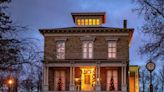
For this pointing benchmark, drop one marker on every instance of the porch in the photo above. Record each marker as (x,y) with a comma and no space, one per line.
(85,78)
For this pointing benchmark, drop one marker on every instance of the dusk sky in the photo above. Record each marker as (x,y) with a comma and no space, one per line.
(38,14)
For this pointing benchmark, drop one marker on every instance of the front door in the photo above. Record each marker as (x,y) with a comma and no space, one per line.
(87,79)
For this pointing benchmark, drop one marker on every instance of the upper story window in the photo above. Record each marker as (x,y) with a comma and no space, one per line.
(87,49)
(60,49)
(88,22)
(112,49)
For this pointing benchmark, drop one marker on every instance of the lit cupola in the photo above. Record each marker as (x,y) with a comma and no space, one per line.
(89,19)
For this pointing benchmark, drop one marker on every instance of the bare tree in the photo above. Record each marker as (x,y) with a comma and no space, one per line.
(17,55)
(153,11)
(144,79)
(161,79)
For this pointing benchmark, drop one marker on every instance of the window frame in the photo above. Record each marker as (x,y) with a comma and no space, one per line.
(112,49)
(87,50)
(58,53)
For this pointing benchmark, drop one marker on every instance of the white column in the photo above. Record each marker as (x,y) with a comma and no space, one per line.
(122,75)
(98,86)
(125,82)
(124,85)
(45,78)
(72,75)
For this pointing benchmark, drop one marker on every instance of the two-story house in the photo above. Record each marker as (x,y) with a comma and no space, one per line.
(87,57)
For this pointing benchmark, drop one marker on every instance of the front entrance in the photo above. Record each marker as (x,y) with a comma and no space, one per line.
(88,78)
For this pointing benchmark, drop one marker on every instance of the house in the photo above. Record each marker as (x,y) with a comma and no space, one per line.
(87,57)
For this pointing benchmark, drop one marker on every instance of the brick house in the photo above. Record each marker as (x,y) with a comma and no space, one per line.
(87,57)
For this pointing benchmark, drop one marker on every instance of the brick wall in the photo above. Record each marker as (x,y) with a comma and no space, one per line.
(74,48)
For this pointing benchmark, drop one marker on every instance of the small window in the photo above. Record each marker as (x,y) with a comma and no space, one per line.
(97,21)
(60,47)
(94,21)
(112,49)
(90,21)
(82,21)
(78,22)
(86,21)
(87,49)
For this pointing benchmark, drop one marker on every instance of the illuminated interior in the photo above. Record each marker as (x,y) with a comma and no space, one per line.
(134,78)
(88,22)
(87,78)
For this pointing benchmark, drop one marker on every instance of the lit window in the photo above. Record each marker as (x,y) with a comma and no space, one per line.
(86,21)
(112,49)
(94,21)
(87,49)
(90,21)
(82,21)
(112,76)
(97,22)
(59,80)
(60,47)
(78,21)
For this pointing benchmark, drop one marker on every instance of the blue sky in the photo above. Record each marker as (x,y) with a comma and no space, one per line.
(37,14)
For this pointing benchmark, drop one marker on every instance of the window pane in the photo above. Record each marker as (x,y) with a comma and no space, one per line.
(84,49)
(90,49)
(84,44)
(84,55)
(82,21)
(97,22)
(109,50)
(86,21)
(109,55)
(113,44)
(113,49)
(78,22)
(94,22)
(90,44)
(90,55)
(90,21)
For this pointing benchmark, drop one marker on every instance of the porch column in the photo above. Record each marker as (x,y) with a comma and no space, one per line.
(124,84)
(45,78)
(98,87)
(72,83)
(122,75)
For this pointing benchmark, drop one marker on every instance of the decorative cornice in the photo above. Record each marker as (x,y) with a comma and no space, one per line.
(86,30)
(61,39)
(112,38)
(87,38)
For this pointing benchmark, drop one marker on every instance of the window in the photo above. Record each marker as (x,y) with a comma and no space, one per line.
(112,80)
(59,79)
(86,21)
(94,22)
(87,49)
(78,22)
(112,49)
(97,21)
(90,21)
(82,21)
(60,47)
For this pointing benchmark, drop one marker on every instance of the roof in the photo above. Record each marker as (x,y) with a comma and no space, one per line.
(102,14)
(86,30)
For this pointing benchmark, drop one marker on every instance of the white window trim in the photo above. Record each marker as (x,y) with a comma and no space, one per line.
(88,50)
(112,52)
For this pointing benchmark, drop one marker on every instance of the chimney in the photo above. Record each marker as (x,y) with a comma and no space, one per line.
(125,24)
